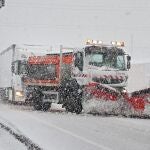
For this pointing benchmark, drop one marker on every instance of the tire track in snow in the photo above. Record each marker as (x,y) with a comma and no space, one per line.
(72,134)
(84,139)
(21,138)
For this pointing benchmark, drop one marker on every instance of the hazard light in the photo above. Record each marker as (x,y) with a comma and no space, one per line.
(118,43)
(93,42)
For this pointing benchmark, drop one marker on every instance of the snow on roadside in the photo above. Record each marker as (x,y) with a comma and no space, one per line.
(17,135)
(8,142)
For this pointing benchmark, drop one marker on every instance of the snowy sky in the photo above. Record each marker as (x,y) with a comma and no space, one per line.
(71,22)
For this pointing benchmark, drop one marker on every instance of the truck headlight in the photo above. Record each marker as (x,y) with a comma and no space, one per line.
(19,93)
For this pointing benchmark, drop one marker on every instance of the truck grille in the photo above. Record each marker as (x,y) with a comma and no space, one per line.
(108,80)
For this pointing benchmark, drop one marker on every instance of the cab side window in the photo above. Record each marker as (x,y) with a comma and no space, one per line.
(79,61)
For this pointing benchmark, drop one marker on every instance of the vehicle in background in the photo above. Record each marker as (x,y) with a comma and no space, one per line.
(13,61)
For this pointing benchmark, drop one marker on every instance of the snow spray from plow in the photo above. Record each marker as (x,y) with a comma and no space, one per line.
(99,98)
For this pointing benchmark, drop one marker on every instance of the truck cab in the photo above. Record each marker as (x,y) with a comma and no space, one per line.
(105,64)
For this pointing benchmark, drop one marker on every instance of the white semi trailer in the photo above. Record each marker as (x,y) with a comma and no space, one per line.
(13,67)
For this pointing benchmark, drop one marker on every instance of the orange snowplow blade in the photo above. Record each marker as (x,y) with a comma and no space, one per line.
(109,98)
(100,99)
(140,100)
(100,91)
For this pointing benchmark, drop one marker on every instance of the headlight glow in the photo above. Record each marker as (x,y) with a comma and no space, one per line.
(94,42)
(19,93)
(118,43)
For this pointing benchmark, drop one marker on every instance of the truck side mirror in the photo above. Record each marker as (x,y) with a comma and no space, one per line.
(129,58)
(128,65)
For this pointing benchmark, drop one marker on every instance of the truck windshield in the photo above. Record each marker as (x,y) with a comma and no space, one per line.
(42,71)
(111,60)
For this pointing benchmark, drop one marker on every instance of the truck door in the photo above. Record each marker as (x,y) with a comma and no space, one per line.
(79,61)
(78,70)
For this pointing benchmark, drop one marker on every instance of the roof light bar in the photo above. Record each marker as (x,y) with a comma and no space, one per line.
(98,42)
(94,42)
(118,43)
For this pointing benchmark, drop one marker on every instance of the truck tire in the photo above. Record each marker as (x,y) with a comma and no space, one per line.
(78,109)
(46,106)
(69,108)
(37,99)
(72,98)
(37,105)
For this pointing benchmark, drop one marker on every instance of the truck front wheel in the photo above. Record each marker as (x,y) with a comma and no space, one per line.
(37,105)
(72,96)
(78,109)
(69,108)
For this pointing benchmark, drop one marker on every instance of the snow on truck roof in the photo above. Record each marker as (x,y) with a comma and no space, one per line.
(35,49)
(25,50)
(42,49)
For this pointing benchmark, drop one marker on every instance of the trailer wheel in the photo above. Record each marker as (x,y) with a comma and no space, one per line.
(37,104)
(46,106)
(37,99)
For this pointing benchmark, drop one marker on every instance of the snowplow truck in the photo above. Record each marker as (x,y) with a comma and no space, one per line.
(92,78)
(13,62)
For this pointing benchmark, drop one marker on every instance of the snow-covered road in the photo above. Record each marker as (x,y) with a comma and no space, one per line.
(65,131)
